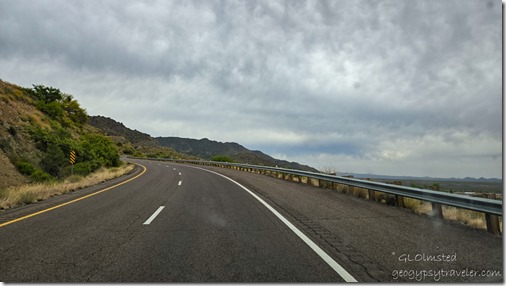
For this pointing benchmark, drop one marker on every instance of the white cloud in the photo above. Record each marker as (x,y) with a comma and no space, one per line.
(392,86)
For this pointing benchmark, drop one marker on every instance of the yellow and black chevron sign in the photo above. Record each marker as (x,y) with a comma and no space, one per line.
(72,157)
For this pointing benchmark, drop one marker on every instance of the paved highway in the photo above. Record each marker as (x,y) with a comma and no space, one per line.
(178,223)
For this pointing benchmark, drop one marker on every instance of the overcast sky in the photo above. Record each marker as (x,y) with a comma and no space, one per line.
(386,87)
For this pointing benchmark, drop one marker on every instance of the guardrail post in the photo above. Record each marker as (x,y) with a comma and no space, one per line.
(372,194)
(493,223)
(399,201)
(437,210)
(314,182)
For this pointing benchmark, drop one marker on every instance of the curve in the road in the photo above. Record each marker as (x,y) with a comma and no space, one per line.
(331,262)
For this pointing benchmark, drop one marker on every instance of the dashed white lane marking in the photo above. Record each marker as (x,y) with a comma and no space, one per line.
(331,262)
(179,174)
(180,182)
(174,169)
(153,216)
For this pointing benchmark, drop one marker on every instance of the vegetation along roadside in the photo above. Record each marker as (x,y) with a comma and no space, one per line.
(39,128)
(30,193)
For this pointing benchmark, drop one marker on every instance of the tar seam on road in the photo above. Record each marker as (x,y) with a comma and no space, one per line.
(73,201)
(154,215)
(331,262)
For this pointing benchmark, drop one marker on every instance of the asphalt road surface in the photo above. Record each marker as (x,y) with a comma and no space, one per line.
(178,223)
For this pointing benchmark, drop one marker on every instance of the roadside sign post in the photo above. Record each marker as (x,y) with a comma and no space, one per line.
(72,161)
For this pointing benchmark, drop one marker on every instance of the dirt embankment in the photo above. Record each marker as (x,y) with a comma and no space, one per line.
(16,113)
(9,175)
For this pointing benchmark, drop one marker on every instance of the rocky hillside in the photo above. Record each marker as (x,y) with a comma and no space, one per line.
(15,115)
(116,129)
(39,127)
(133,142)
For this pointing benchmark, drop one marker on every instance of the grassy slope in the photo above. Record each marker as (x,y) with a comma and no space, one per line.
(30,193)
(17,112)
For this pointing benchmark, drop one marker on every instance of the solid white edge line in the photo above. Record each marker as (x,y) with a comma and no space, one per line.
(153,216)
(331,262)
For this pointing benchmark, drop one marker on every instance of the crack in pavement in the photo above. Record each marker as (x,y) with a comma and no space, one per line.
(332,243)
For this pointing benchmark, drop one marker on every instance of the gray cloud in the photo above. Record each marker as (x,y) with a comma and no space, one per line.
(391,86)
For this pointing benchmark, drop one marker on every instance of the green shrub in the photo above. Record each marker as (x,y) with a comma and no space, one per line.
(54,161)
(221,158)
(41,176)
(52,109)
(137,153)
(25,168)
(37,175)
(99,151)
(82,168)
(74,111)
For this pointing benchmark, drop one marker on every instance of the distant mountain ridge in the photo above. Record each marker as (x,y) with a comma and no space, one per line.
(426,178)
(113,128)
(202,148)
(207,149)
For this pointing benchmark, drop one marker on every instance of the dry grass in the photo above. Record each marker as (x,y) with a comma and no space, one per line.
(467,217)
(470,218)
(360,192)
(27,194)
(417,206)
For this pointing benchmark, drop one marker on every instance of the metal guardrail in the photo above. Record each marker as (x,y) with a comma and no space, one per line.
(492,208)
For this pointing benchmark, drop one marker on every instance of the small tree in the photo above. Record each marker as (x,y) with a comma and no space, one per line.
(75,112)
(46,94)
(99,151)
(54,161)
